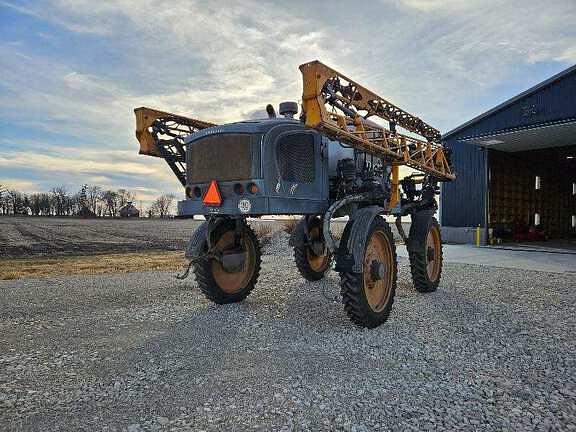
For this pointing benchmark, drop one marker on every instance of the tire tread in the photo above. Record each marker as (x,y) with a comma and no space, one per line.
(209,287)
(419,260)
(352,286)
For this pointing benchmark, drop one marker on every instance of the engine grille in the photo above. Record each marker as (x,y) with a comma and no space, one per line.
(220,157)
(295,155)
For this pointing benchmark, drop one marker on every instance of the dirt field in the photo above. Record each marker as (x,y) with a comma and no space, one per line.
(22,237)
(27,236)
(41,247)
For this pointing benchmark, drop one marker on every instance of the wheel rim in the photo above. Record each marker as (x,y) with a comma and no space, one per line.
(378,291)
(318,263)
(232,282)
(433,253)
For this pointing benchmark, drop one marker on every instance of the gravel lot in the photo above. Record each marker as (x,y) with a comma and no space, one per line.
(492,349)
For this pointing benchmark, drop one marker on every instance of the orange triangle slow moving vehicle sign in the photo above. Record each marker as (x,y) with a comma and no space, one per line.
(212,197)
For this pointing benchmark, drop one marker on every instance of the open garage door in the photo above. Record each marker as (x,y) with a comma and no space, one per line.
(532,186)
(532,196)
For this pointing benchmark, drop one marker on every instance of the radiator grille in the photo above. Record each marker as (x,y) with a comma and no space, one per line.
(220,157)
(295,155)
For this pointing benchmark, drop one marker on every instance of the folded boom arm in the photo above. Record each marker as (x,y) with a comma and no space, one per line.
(341,109)
(161,134)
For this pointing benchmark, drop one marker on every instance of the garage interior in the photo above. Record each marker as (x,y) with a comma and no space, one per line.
(531,198)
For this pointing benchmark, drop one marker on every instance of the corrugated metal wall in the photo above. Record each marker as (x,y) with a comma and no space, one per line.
(463,199)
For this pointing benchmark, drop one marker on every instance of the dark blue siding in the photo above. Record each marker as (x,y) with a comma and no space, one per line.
(555,102)
(463,199)
(552,101)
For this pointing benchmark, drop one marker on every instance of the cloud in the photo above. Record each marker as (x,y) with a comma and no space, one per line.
(89,162)
(44,14)
(219,63)
(21,185)
(569,55)
(434,5)
(93,62)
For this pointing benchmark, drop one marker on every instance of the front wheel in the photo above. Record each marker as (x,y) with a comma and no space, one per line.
(229,283)
(425,251)
(368,296)
(312,258)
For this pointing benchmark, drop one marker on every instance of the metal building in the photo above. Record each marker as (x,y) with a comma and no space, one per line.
(516,168)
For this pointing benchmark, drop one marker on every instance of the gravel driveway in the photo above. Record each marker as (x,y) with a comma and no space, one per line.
(492,349)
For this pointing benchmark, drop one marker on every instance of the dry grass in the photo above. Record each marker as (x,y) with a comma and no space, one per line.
(263,230)
(264,233)
(289,225)
(94,264)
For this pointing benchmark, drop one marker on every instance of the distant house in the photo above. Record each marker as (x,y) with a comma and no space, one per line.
(129,210)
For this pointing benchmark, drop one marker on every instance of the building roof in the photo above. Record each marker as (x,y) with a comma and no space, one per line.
(511,101)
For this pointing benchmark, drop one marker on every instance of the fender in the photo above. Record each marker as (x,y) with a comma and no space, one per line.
(418,227)
(197,244)
(350,255)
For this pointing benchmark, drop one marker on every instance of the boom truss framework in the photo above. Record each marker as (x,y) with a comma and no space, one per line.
(162,134)
(340,108)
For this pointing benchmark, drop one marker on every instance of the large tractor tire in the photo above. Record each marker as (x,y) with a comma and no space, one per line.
(425,251)
(368,296)
(312,264)
(225,286)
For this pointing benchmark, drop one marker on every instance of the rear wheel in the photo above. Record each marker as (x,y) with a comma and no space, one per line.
(313,258)
(425,253)
(368,296)
(229,283)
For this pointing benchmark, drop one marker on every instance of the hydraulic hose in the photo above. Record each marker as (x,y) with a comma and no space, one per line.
(331,243)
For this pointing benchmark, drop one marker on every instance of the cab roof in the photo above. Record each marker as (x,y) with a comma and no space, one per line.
(257,126)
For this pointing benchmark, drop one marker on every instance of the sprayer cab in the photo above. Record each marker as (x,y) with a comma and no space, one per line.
(259,167)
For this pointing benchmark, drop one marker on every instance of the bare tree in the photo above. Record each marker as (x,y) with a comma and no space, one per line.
(46,204)
(35,204)
(17,201)
(3,200)
(82,203)
(93,194)
(40,204)
(90,200)
(26,206)
(111,200)
(124,197)
(61,200)
(162,205)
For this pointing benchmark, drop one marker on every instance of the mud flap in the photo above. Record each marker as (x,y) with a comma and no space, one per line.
(350,254)
(198,244)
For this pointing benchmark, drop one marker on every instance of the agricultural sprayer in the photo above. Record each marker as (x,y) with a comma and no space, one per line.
(340,157)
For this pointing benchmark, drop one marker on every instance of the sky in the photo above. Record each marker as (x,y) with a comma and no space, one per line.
(72,71)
